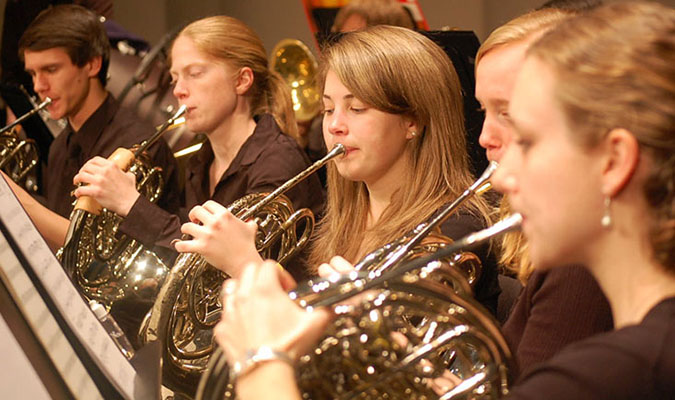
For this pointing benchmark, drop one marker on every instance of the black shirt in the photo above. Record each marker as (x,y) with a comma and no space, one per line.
(108,128)
(634,362)
(266,160)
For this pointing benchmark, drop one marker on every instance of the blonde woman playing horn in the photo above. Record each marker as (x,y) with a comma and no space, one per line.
(593,109)
(392,98)
(220,72)
(546,316)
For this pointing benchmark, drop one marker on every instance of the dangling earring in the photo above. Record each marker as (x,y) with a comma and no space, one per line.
(606,220)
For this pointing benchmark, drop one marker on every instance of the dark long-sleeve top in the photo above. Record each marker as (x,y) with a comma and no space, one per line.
(636,362)
(557,307)
(486,289)
(108,128)
(266,160)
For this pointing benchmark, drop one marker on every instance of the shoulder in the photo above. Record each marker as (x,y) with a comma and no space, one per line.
(460,224)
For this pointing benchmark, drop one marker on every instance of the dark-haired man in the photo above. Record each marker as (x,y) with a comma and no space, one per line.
(66,51)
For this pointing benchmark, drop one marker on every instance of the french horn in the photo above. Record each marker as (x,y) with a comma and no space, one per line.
(426,238)
(18,156)
(373,351)
(105,265)
(188,304)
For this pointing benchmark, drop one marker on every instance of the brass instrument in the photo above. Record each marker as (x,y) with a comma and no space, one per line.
(188,305)
(18,157)
(360,358)
(296,64)
(426,238)
(105,265)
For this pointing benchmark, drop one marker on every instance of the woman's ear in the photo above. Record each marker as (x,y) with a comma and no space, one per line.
(621,160)
(244,80)
(411,129)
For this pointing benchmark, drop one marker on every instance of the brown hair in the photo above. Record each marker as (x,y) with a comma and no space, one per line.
(514,256)
(398,71)
(375,12)
(78,30)
(231,41)
(616,69)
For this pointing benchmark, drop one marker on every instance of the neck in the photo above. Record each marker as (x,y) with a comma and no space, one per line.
(381,191)
(226,141)
(628,274)
(96,96)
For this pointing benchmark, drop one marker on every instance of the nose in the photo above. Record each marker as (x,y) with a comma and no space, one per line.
(491,138)
(179,90)
(335,123)
(40,83)
(504,178)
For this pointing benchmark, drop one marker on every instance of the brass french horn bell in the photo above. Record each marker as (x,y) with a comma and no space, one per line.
(296,64)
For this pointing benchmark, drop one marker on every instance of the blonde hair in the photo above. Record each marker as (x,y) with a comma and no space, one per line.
(398,71)
(229,40)
(616,69)
(514,256)
(375,12)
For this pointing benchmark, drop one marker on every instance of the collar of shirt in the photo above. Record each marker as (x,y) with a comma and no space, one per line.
(266,130)
(93,127)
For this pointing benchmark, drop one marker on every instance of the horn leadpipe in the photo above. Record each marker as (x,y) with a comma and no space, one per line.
(27,115)
(378,278)
(336,151)
(423,229)
(155,137)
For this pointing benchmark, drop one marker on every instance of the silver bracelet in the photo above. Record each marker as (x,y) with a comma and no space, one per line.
(255,357)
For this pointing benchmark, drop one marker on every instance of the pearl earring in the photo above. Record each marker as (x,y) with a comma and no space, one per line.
(606,220)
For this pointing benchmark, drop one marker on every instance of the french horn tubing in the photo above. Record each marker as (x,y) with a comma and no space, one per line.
(47,101)
(188,305)
(18,157)
(105,265)
(425,238)
(360,356)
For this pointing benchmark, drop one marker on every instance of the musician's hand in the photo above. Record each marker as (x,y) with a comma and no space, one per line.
(224,240)
(258,312)
(337,265)
(107,184)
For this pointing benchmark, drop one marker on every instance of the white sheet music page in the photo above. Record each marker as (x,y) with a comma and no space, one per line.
(71,305)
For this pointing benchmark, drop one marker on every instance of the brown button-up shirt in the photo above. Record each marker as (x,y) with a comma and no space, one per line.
(108,128)
(265,161)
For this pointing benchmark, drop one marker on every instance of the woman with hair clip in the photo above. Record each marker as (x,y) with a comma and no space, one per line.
(405,157)
(593,111)
(220,72)
(545,317)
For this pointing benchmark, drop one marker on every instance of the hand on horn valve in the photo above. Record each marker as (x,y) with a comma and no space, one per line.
(222,239)
(107,184)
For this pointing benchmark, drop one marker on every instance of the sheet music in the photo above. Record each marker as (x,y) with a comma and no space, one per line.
(18,379)
(71,305)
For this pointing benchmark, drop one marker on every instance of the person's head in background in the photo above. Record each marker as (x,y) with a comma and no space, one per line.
(220,65)
(66,51)
(359,14)
(498,62)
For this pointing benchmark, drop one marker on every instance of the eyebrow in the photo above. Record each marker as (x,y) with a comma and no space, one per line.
(43,67)
(346,97)
(186,67)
